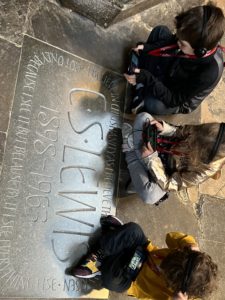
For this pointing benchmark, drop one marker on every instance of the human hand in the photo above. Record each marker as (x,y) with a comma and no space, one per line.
(137,48)
(194,247)
(132,78)
(146,150)
(158,125)
(180,296)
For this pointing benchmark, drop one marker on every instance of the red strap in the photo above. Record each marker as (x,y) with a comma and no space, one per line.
(162,150)
(160,140)
(161,52)
(158,51)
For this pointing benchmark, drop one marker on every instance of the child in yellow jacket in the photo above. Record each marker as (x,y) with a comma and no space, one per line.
(127,260)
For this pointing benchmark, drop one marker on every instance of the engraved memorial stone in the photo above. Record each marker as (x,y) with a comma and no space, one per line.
(60,170)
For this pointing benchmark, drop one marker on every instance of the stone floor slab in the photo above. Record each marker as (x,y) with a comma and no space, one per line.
(213,109)
(12,19)
(9,56)
(60,170)
(217,251)
(99,11)
(158,220)
(212,220)
(187,196)
(214,187)
(2,148)
(69,31)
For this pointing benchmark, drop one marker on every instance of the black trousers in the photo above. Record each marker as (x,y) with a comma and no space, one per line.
(118,247)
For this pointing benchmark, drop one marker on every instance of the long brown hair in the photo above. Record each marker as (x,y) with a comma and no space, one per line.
(201,139)
(192,27)
(203,276)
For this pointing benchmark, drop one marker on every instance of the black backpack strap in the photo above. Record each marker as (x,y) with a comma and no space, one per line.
(218,141)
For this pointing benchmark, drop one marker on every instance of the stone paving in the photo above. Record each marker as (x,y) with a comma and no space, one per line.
(199,210)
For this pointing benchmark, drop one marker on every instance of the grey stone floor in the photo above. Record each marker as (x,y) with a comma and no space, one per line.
(199,211)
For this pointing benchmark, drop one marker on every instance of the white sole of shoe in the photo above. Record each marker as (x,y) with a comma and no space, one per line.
(118,220)
(89,276)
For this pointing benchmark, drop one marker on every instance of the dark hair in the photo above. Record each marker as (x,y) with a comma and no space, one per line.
(203,276)
(201,26)
(202,139)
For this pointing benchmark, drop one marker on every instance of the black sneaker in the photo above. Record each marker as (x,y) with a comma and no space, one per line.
(164,198)
(88,268)
(110,221)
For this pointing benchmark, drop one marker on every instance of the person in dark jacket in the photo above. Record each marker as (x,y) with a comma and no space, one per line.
(128,262)
(177,79)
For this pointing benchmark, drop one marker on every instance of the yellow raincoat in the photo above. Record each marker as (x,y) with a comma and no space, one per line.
(150,283)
